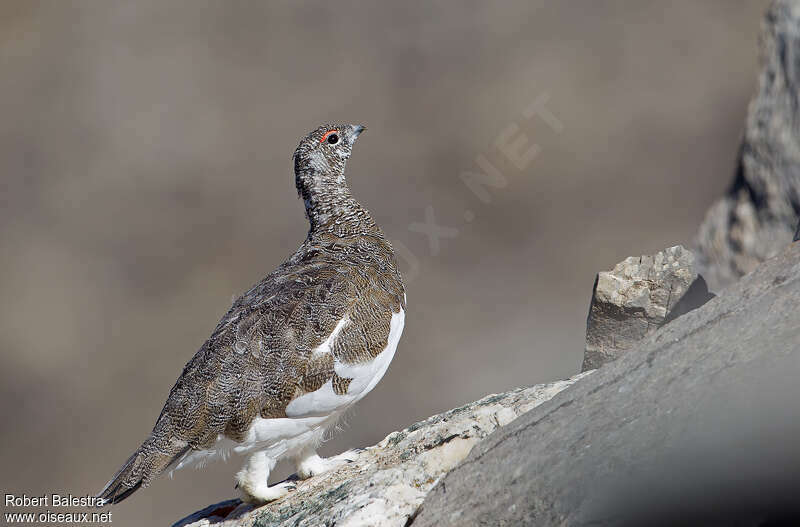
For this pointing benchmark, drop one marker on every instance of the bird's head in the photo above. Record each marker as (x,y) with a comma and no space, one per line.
(320,158)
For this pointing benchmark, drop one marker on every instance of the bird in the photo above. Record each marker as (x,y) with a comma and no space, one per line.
(294,352)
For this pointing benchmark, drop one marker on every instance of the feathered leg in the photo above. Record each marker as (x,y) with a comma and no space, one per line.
(252,480)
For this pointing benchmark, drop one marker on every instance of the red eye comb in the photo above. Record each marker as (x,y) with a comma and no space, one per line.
(329,132)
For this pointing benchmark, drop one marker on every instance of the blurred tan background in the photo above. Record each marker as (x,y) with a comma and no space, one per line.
(145,179)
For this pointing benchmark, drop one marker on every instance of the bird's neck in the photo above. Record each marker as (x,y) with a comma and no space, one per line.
(331,207)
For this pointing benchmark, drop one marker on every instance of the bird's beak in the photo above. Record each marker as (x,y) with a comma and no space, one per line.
(357,129)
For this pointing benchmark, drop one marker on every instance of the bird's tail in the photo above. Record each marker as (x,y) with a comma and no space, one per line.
(149,460)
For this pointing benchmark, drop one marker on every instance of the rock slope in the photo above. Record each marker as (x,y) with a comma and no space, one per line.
(697,424)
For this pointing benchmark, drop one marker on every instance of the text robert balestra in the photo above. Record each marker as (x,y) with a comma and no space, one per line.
(53,500)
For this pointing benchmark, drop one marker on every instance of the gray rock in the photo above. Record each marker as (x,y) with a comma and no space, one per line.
(697,424)
(387,482)
(636,298)
(758,215)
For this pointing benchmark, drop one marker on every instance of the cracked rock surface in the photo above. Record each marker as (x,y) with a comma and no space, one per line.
(387,482)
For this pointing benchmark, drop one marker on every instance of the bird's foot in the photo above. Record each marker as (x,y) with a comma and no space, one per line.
(263,493)
(314,465)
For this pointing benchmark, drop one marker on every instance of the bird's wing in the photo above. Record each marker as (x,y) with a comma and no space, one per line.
(300,336)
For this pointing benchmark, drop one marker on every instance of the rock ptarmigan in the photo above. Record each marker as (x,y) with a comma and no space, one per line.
(294,352)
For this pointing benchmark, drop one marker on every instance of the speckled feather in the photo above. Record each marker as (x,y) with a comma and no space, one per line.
(259,358)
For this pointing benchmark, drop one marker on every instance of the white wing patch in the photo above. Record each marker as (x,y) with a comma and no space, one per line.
(364,376)
(325,347)
(319,402)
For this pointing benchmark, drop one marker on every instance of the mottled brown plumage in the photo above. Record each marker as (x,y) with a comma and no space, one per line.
(261,355)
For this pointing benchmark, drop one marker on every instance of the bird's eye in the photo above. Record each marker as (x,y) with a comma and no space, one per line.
(331,137)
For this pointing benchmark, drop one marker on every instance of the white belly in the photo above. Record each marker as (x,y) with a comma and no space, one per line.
(309,415)
(279,437)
